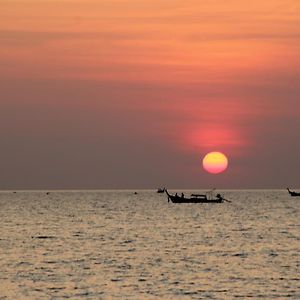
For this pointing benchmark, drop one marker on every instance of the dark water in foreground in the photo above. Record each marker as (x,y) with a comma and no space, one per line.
(114,244)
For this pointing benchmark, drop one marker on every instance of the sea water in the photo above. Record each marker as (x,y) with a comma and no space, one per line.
(118,244)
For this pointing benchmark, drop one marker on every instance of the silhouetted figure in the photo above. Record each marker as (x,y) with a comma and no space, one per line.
(182,195)
(176,195)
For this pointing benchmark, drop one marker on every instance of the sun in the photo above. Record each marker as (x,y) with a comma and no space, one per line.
(215,162)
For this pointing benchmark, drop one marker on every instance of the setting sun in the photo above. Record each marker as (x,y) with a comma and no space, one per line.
(215,162)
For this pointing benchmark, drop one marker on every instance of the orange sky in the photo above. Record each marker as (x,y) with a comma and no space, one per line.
(194,76)
(148,40)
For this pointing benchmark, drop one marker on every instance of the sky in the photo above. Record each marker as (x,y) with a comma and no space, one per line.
(130,94)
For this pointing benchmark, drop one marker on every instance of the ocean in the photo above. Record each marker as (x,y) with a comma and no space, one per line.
(121,245)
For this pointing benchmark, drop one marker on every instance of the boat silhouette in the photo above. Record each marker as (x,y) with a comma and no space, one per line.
(195,198)
(160,190)
(293,194)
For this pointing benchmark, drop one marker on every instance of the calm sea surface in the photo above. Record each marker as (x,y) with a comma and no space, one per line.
(114,244)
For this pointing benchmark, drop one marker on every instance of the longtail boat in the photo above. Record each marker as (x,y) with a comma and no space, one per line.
(293,194)
(195,198)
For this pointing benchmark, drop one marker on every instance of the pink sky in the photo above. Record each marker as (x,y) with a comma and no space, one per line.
(133,94)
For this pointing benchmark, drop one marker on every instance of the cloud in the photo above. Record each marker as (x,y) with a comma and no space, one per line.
(243,36)
(19,37)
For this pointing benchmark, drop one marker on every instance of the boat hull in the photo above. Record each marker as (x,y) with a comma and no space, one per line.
(293,194)
(191,200)
(177,199)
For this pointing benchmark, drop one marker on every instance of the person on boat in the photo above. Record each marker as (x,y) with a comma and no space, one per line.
(176,195)
(182,195)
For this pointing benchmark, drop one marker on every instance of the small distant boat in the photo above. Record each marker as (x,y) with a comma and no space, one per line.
(196,198)
(293,194)
(160,190)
